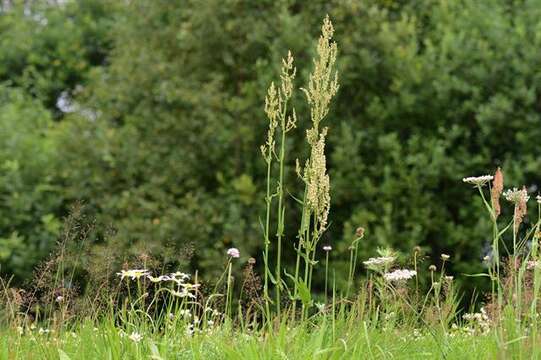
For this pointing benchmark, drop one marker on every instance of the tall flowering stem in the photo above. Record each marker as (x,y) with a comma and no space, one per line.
(276,108)
(322,87)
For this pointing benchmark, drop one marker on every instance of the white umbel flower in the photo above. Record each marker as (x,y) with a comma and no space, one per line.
(379,262)
(516,196)
(478,180)
(400,275)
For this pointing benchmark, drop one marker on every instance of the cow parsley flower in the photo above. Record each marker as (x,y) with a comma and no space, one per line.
(400,275)
(379,262)
(478,180)
(516,196)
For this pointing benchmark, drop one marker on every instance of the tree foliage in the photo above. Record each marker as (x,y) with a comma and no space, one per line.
(169,118)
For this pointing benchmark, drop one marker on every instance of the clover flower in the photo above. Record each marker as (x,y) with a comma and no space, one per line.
(478,180)
(399,275)
(133,274)
(233,252)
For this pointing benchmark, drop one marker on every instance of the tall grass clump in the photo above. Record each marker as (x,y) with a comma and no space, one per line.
(315,203)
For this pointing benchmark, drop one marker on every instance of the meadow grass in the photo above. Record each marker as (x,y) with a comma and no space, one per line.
(318,339)
(142,312)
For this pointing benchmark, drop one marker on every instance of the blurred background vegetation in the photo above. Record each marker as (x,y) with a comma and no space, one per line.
(151,114)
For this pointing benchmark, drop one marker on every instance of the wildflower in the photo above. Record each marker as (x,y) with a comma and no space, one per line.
(132,274)
(449,278)
(516,196)
(182,293)
(379,262)
(159,278)
(478,180)
(189,330)
(185,313)
(359,232)
(59,299)
(233,252)
(486,258)
(320,307)
(327,248)
(496,192)
(400,275)
(519,198)
(445,257)
(179,276)
(432,268)
(538,198)
(135,337)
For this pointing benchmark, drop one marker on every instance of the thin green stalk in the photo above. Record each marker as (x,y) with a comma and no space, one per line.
(281,212)
(268,200)
(326,272)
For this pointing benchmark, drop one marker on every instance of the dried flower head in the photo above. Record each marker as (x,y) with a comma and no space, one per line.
(496,192)
(399,275)
(359,232)
(478,180)
(233,252)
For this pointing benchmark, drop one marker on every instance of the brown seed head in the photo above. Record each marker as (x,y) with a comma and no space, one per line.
(496,192)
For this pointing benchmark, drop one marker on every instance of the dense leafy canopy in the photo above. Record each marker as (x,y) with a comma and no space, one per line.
(166,117)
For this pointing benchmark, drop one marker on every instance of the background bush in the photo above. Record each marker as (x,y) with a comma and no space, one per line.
(166,116)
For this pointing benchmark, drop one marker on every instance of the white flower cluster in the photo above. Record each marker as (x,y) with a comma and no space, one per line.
(178,277)
(516,196)
(133,274)
(478,180)
(477,322)
(399,275)
(379,262)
